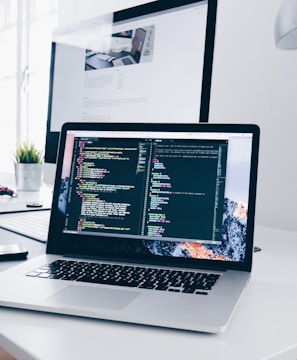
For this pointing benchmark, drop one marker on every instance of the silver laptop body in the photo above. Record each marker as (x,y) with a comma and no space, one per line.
(161,198)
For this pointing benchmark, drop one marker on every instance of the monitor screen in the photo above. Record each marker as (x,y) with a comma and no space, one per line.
(148,64)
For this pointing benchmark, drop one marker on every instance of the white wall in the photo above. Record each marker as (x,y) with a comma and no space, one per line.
(253,82)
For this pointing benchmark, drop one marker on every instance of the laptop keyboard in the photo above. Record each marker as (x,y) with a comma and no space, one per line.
(130,276)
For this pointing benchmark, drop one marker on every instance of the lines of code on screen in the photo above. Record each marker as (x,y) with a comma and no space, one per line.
(148,188)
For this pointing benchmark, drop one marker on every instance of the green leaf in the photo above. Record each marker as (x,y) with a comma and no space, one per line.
(28,153)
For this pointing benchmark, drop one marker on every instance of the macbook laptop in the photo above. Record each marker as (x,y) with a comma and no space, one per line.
(136,50)
(150,224)
(117,56)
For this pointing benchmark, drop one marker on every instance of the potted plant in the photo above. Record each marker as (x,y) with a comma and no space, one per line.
(28,167)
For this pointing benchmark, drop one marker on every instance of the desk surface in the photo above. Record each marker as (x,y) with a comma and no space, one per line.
(263,327)
(19,203)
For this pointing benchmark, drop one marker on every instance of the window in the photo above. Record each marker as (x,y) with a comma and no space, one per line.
(25,37)
(8,68)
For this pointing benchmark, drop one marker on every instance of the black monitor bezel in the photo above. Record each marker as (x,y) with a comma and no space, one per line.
(52,137)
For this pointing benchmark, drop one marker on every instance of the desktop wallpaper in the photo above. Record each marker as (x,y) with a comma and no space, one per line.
(234,222)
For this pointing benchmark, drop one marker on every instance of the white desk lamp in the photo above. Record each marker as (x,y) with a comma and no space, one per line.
(285,30)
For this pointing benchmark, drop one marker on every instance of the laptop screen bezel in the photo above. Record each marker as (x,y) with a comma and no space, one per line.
(71,245)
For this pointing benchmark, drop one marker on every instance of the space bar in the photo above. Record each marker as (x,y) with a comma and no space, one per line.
(118,282)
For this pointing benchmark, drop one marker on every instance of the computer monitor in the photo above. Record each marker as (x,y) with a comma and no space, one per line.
(151,63)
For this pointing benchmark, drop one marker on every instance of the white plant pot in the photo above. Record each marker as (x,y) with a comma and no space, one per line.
(28,177)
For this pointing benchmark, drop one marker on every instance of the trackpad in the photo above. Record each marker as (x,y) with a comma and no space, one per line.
(87,296)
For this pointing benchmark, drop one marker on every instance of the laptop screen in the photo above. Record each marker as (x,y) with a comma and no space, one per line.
(182,194)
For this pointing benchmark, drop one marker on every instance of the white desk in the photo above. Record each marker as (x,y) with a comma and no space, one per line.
(263,327)
(10,204)
(19,203)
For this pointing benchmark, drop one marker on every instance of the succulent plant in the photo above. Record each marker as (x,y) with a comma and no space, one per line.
(28,153)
